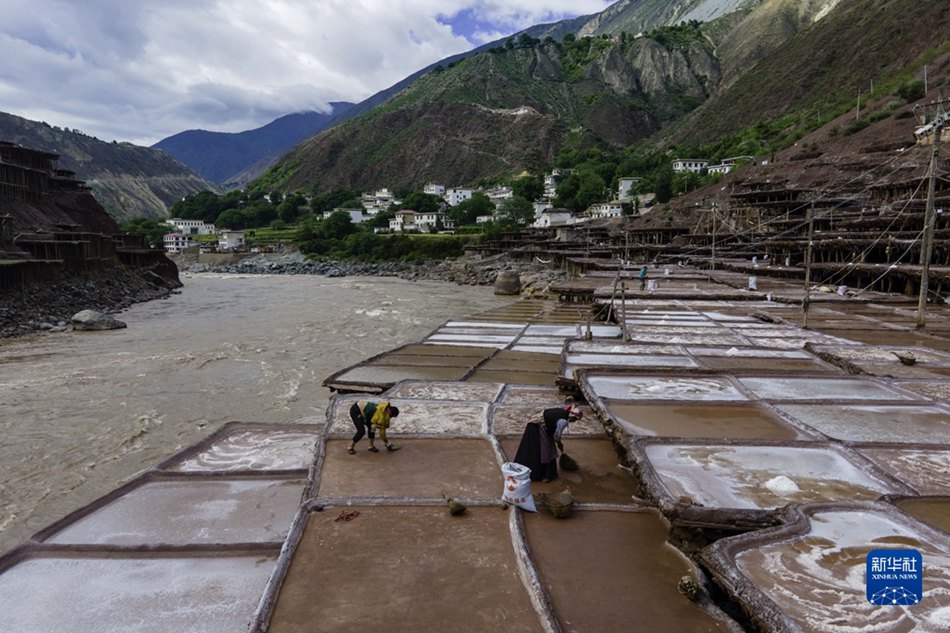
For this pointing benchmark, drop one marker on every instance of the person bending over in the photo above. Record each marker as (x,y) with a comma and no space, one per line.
(368,417)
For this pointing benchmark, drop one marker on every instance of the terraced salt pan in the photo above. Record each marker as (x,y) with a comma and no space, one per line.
(541,396)
(818,579)
(417,417)
(788,342)
(515,327)
(456,342)
(555,341)
(511,419)
(874,353)
(254,450)
(425,390)
(706,338)
(607,347)
(472,338)
(760,477)
(385,376)
(538,349)
(663,388)
(191,512)
(926,471)
(629,360)
(803,388)
(146,595)
(874,423)
(748,352)
(672,325)
(701,420)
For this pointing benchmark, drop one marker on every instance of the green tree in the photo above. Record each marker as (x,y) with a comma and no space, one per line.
(466,211)
(516,210)
(152,231)
(421,202)
(231,219)
(529,187)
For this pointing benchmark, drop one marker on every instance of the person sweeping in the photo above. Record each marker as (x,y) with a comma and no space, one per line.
(370,417)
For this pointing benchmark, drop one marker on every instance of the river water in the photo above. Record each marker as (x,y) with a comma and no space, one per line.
(82,412)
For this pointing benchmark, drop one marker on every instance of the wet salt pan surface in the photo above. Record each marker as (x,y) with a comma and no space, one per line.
(818,580)
(419,417)
(760,477)
(926,471)
(870,423)
(484,392)
(115,595)
(660,387)
(254,450)
(190,512)
(775,388)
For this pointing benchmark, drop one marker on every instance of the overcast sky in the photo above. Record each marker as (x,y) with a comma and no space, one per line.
(142,70)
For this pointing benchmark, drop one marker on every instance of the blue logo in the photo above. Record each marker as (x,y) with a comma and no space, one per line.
(894,576)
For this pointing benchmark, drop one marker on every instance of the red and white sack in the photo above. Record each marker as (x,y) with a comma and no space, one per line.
(517,489)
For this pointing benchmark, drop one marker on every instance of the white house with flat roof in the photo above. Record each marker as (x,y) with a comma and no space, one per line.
(611,209)
(434,190)
(728,164)
(455,196)
(176,242)
(356,215)
(554,217)
(230,240)
(694,165)
(190,227)
(625,185)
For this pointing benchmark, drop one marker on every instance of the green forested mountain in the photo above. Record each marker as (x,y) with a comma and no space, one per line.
(736,64)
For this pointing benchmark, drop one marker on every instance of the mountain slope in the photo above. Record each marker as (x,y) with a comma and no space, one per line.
(838,55)
(507,110)
(220,157)
(128,180)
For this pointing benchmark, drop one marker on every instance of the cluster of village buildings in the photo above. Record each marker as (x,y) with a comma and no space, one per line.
(410,221)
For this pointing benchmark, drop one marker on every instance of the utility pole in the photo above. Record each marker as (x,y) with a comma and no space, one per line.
(926,247)
(811,232)
(712,258)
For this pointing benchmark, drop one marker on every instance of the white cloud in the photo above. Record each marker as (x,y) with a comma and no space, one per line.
(139,70)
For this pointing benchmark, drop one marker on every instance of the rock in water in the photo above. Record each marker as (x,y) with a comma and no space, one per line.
(507,283)
(92,320)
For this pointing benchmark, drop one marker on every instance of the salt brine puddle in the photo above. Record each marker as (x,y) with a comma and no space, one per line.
(819,579)
(85,411)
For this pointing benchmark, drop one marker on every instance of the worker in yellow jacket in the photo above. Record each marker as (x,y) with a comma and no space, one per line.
(368,418)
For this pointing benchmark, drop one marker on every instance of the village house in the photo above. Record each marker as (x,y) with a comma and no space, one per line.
(552,180)
(176,242)
(378,201)
(191,227)
(624,187)
(229,240)
(409,221)
(728,164)
(613,209)
(554,217)
(694,165)
(356,215)
(455,196)
(434,190)
(498,195)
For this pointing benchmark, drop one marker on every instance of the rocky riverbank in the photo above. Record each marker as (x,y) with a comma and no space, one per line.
(50,306)
(535,278)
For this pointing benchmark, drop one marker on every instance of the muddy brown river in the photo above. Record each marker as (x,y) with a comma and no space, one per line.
(82,412)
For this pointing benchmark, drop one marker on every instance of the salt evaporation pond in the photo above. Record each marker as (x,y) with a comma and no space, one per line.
(254,450)
(663,388)
(186,512)
(145,595)
(417,416)
(689,420)
(925,470)
(793,388)
(459,391)
(760,477)
(874,423)
(818,579)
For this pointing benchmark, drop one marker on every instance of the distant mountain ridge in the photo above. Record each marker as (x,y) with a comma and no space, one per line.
(222,157)
(128,180)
